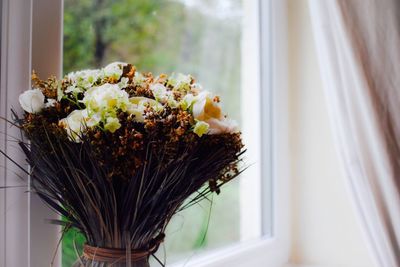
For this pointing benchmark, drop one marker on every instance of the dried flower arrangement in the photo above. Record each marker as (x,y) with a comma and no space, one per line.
(118,153)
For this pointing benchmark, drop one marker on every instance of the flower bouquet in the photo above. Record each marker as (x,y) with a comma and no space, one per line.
(117,153)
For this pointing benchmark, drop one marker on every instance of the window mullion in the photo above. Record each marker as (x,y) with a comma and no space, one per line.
(15,77)
(250,181)
(47,18)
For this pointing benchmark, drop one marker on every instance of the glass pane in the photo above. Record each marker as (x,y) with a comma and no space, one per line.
(200,37)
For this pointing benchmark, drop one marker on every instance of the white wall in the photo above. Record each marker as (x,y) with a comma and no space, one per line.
(324,226)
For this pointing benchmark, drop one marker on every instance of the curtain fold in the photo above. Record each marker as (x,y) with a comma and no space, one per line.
(358,45)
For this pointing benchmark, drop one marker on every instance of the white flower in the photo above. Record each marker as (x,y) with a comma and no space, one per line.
(187,101)
(162,95)
(74,89)
(106,98)
(201,128)
(60,92)
(138,105)
(172,102)
(197,88)
(102,104)
(91,118)
(205,109)
(74,124)
(180,81)
(114,70)
(32,101)
(112,124)
(224,125)
(160,92)
(139,79)
(50,103)
(123,83)
(82,80)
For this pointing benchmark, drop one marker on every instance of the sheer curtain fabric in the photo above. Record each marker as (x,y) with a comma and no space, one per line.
(358,45)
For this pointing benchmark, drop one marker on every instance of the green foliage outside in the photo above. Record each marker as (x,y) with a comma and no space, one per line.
(164,36)
(97,32)
(72,246)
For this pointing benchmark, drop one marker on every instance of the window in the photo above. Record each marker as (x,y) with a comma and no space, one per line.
(203,38)
(216,41)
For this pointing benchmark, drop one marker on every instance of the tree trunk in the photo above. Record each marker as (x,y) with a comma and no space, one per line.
(99,26)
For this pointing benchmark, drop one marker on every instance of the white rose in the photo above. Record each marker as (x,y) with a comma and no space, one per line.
(219,126)
(32,101)
(74,124)
(205,109)
(114,70)
(196,88)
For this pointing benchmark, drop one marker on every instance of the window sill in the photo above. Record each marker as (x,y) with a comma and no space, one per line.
(309,265)
(258,253)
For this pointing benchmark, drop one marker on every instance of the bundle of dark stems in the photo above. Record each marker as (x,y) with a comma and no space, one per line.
(120,189)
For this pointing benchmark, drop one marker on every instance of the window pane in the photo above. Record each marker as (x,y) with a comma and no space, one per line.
(200,37)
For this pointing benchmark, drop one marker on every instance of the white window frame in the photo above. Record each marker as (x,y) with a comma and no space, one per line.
(26,238)
(39,22)
(15,72)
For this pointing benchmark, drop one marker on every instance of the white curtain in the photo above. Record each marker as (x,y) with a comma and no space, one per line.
(358,43)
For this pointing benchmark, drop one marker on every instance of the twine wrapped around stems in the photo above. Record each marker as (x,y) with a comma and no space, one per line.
(113,255)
